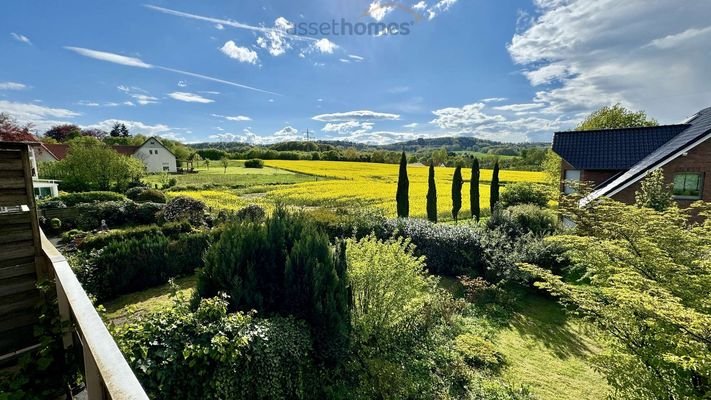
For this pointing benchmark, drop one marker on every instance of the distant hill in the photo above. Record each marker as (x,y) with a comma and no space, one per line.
(453,144)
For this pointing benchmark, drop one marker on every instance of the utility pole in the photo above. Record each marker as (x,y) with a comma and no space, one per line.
(308,135)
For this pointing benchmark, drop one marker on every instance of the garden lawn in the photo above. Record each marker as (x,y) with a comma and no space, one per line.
(550,353)
(122,308)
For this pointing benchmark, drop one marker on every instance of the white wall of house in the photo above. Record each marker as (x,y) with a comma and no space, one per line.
(156,157)
(43,187)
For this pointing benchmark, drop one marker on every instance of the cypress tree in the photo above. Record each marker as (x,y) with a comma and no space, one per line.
(474,190)
(403,188)
(457,183)
(431,195)
(494,187)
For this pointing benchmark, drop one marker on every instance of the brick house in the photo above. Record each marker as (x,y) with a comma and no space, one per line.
(616,160)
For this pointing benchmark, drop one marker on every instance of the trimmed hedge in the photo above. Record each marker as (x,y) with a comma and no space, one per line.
(254,163)
(126,266)
(151,195)
(72,199)
(116,213)
(102,239)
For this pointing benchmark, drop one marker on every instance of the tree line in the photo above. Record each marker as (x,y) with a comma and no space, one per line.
(402,196)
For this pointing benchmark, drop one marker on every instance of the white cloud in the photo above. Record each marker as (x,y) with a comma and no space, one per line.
(286,133)
(141,96)
(237,118)
(420,6)
(12,86)
(190,97)
(241,54)
(110,57)
(348,127)
(135,62)
(138,127)
(182,84)
(646,54)
(411,126)
(219,27)
(325,46)
(519,107)
(379,10)
(360,115)
(21,38)
(41,117)
(464,119)
(681,38)
(494,100)
(344,60)
(356,57)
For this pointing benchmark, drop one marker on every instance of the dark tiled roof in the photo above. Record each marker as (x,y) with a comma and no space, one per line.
(125,149)
(612,149)
(697,129)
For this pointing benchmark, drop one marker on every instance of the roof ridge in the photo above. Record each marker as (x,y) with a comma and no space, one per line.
(628,128)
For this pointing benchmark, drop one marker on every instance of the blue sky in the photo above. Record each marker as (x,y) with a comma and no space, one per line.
(513,70)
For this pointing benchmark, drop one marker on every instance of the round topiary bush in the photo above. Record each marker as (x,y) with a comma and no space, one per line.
(55,223)
(185,208)
(151,195)
(524,218)
(523,193)
(134,192)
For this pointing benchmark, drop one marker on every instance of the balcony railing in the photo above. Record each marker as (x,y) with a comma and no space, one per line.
(107,375)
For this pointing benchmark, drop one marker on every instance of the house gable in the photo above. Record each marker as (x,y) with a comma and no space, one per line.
(156,156)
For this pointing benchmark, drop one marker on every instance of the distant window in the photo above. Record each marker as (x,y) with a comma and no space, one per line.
(155,151)
(688,185)
(571,175)
(166,167)
(152,142)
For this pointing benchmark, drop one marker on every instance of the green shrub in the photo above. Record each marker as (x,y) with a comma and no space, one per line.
(91,214)
(478,352)
(101,239)
(51,203)
(283,266)
(147,213)
(450,250)
(126,266)
(72,199)
(133,192)
(252,212)
(210,354)
(524,193)
(254,163)
(185,208)
(73,234)
(55,223)
(524,218)
(151,195)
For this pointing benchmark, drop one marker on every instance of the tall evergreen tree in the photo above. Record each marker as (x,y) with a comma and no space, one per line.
(431,195)
(403,190)
(494,187)
(457,183)
(474,190)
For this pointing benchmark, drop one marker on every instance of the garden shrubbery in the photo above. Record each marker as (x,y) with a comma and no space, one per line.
(140,262)
(185,208)
(524,193)
(151,195)
(101,239)
(521,219)
(72,199)
(116,213)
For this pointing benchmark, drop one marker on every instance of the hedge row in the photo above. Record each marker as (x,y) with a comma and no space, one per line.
(116,213)
(102,239)
(126,266)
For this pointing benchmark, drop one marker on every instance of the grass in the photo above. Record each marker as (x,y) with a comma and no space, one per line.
(549,352)
(544,349)
(154,299)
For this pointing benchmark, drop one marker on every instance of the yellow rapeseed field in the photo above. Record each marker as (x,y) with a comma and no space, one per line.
(352,185)
(370,184)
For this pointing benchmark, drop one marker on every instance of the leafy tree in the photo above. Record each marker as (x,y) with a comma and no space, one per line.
(93,165)
(457,183)
(647,275)
(552,168)
(12,131)
(494,196)
(474,190)
(524,193)
(94,132)
(440,156)
(225,162)
(614,117)
(654,193)
(63,133)
(431,195)
(403,190)
(119,130)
